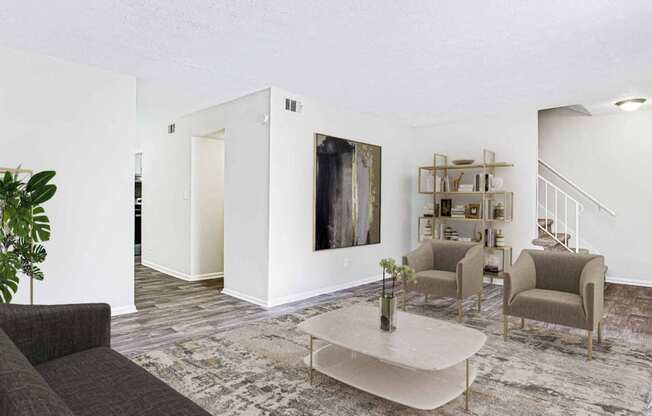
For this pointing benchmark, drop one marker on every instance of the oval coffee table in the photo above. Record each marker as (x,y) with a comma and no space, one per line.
(423,364)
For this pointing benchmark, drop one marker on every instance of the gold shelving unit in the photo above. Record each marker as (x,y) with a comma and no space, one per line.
(431,181)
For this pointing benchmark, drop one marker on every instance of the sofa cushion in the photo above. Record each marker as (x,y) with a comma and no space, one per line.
(435,282)
(549,306)
(101,382)
(23,392)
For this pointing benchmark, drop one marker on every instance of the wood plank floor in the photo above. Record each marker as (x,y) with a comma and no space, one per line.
(172,310)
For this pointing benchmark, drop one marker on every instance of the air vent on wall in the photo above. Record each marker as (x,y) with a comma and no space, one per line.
(292,105)
(171,128)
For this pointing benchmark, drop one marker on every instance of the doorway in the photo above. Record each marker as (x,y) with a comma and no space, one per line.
(138,206)
(207,206)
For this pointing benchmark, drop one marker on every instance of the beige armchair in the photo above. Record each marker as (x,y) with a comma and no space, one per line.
(556,287)
(448,269)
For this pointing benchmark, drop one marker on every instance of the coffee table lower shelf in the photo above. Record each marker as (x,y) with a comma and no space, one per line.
(424,390)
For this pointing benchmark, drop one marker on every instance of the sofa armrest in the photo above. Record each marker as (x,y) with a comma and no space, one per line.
(592,289)
(45,332)
(421,258)
(470,272)
(521,277)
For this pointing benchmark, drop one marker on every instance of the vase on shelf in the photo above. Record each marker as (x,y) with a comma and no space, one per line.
(500,239)
(499,212)
(387,313)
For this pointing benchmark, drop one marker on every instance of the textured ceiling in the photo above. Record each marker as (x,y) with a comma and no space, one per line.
(422,61)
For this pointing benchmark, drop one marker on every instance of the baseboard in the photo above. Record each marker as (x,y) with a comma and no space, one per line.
(123,310)
(312,293)
(205,276)
(246,298)
(629,281)
(299,296)
(181,275)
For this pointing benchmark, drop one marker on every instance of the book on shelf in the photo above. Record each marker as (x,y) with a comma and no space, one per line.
(489,205)
(458,211)
(490,237)
(465,188)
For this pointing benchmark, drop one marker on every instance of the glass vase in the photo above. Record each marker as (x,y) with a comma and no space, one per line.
(387,313)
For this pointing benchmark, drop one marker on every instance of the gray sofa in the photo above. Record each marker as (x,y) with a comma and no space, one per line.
(56,360)
(556,287)
(445,268)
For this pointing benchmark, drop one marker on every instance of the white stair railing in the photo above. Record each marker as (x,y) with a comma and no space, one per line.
(601,206)
(551,199)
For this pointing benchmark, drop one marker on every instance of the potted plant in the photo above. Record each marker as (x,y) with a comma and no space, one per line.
(23,226)
(387,299)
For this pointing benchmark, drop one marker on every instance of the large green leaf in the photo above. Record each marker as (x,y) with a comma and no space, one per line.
(23,224)
(37,253)
(19,219)
(9,264)
(5,294)
(40,225)
(39,180)
(7,288)
(32,271)
(42,194)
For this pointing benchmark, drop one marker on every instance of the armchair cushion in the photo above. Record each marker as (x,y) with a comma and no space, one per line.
(549,306)
(559,271)
(446,254)
(436,282)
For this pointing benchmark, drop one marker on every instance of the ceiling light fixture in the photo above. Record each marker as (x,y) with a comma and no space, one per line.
(631,104)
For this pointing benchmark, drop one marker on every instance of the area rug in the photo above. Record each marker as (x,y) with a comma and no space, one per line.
(258,370)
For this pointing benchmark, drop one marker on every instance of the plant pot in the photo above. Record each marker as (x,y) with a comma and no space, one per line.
(387,313)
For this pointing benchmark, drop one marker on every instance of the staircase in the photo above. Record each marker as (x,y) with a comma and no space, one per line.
(550,240)
(559,213)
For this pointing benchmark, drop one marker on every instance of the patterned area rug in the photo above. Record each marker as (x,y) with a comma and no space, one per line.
(541,370)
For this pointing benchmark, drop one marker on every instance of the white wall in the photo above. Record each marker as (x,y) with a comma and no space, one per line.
(609,157)
(207,205)
(514,139)
(269,168)
(295,270)
(167,233)
(81,122)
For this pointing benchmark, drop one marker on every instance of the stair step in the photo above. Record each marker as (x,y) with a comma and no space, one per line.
(547,243)
(564,238)
(545,223)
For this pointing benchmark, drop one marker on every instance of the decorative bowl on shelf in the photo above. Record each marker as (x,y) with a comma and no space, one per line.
(463,162)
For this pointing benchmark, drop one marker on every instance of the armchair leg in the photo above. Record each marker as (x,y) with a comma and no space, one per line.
(505,327)
(460,311)
(522,323)
(599,332)
(480,301)
(589,344)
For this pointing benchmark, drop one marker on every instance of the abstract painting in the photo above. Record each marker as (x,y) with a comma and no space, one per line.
(347,193)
